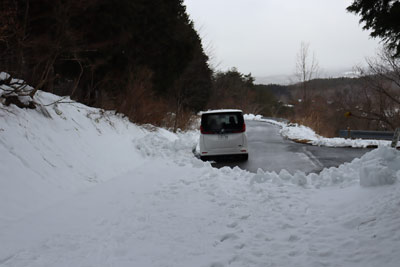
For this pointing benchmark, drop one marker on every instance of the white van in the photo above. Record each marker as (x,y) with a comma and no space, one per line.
(223,133)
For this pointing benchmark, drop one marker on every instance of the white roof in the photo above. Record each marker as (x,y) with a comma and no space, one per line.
(219,111)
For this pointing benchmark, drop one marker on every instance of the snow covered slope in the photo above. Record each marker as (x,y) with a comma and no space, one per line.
(85,187)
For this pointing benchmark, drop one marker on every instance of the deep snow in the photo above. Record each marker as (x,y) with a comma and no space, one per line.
(88,188)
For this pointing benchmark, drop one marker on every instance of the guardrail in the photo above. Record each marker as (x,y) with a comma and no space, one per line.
(377,135)
(355,134)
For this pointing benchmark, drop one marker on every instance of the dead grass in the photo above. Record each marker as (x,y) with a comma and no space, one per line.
(324,119)
(186,120)
(142,106)
(139,102)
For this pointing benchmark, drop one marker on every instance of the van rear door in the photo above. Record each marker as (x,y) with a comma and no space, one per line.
(223,130)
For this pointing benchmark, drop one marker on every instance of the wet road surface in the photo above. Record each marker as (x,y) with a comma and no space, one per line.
(269,151)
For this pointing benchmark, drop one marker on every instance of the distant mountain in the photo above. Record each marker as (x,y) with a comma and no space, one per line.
(275,79)
(284,92)
(343,73)
(291,79)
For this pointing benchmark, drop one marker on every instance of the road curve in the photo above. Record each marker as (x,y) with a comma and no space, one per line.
(270,152)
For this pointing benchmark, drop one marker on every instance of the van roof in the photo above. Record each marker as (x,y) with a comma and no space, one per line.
(220,111)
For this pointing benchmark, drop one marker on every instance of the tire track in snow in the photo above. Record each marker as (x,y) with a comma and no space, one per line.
(313,159)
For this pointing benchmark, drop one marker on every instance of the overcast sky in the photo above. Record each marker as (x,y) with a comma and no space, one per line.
(264,36)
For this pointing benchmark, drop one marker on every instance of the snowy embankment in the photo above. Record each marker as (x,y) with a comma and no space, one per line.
(305,134)
(84,187)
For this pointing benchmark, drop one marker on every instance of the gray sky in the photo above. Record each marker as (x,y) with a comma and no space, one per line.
(264,36)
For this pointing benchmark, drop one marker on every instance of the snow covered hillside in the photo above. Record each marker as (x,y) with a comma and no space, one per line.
(83,187)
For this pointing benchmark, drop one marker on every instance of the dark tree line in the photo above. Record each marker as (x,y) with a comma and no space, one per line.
(135,56)
(232,89)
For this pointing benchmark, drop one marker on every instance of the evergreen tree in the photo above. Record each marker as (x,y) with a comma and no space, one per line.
(382,17)
(96,50)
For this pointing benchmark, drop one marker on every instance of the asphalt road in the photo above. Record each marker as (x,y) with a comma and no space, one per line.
(270,152)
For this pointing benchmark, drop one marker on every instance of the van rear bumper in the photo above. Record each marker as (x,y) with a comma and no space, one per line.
(225,157)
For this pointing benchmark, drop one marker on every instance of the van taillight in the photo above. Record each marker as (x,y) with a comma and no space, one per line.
(204,132)
(241,130)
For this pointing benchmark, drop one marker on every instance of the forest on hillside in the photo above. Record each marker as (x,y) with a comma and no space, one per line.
(145,59)
(141,58)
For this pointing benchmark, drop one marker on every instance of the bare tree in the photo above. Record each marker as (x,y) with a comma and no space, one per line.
(306,68)
(380,94)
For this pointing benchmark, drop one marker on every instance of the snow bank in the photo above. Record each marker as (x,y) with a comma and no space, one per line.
(252,117)
(303,133)
(73,147)
(63,147)
(378,167)
(381,168)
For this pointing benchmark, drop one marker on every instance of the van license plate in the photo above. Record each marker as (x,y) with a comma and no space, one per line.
(223,136)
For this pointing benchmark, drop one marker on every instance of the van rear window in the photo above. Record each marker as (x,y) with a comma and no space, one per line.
(222,122)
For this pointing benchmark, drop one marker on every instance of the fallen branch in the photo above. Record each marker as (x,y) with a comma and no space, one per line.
(60,101)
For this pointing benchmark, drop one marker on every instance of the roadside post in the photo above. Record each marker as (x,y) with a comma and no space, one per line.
(348,115)
(396,137)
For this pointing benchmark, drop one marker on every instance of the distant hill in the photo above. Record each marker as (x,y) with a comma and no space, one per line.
(285,92)
(275,79)
(291,79)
